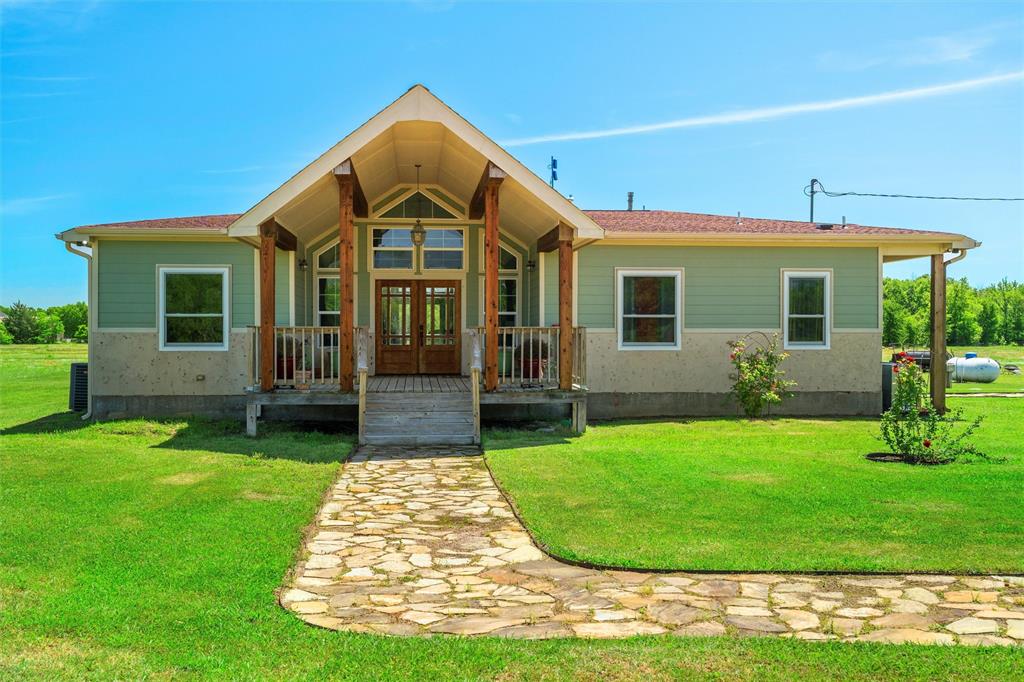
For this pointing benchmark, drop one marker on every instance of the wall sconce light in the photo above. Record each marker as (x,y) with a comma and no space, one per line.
(303,264)
(531,265)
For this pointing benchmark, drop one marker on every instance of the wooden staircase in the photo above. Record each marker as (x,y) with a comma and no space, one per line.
(419,419)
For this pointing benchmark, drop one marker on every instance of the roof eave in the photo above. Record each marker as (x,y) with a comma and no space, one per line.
(955,241)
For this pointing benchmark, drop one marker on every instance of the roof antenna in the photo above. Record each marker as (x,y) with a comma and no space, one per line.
(629,201)
(844,222)
(739,218)
(553,167)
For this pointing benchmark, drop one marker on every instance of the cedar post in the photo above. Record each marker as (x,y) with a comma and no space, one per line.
(938,340)
(268,246)
(490,183)
(565,292)
(345,175)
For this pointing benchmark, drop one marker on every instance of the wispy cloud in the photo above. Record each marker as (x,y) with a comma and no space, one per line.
(768,113)
(25,205)
(962,46)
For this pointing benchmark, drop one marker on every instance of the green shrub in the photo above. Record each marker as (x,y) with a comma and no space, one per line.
(757,379)
(913,428)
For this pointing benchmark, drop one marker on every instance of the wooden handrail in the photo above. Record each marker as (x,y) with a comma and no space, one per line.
(476,360)
(528,357)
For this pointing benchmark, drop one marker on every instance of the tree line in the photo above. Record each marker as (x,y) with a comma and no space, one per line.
(24,324)
(989,315)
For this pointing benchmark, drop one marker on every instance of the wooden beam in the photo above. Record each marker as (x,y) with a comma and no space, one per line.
(268,250)
(283,238)
(360,207)
(476,204)
(938,341)
(551,239)
(564,307)
(491,250)
(346,197)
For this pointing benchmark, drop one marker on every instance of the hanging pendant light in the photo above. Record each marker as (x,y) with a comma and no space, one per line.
(419,234)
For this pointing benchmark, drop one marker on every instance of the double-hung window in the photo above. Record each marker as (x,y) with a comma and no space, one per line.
(442,249)
(193,308)
(392,248)
(806,308)
(650,309)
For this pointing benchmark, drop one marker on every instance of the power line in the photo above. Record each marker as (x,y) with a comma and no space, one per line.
(810,191)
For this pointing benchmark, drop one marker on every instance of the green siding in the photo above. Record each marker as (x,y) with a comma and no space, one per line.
(724,287)
(127,279)
(549,261)
(474,278)
(363,292)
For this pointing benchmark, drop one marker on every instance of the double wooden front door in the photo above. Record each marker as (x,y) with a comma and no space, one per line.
(419,326)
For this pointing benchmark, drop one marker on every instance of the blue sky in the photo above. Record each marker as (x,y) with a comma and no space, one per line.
(116,111)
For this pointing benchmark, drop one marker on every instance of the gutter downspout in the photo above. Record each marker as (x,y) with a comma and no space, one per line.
(89,321)
(961,254)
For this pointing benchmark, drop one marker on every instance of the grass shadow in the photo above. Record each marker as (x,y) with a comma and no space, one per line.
(509,438)
(311,443)
(57,422)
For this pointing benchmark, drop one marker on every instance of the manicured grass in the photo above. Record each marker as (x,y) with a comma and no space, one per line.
(148,549)
(776,494)
(1004,355)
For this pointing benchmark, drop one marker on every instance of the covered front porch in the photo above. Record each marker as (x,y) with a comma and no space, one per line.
(416,247)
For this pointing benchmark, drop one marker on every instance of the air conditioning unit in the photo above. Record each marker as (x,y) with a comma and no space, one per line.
(78,396)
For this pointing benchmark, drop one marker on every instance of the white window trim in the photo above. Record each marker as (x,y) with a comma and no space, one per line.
(620,275)
(225,273)
(374,249)
(789,273)
(462,249)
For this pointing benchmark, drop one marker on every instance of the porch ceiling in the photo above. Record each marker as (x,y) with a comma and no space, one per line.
(417,128)
(390,159)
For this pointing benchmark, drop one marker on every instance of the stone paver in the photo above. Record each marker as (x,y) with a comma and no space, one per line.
(421,542)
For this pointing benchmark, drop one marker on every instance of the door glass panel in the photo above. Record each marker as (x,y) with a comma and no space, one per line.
(439,316)
(396,315)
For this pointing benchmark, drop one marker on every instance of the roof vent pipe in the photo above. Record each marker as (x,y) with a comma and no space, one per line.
(629,201)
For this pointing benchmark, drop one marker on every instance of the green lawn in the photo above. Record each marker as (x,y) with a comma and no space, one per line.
(778,494)
(148,549)
(1004,355)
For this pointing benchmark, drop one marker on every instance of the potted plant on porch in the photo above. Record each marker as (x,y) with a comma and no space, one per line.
(532,356)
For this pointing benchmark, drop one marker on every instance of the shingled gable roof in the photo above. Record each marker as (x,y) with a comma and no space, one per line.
(667,224)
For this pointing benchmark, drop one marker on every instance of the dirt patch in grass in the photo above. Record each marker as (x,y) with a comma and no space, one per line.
(753,477)
(184,478)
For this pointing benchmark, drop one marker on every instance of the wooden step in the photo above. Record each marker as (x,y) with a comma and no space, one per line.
(419,419)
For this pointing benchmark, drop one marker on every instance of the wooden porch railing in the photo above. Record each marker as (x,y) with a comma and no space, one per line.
(528,356)
(304,357)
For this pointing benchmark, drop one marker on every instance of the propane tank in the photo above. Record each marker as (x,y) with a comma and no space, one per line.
(973,369)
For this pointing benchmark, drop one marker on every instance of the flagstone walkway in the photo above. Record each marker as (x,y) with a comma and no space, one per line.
(422,542)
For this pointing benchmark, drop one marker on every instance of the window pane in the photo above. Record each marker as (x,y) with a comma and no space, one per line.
(442,260)
(392,259)
(392,237)
(506,320)
(649,295)
(329,296)
(649,330)
(330,319)
(417,206)
(507,260)
(447,239)
(194,330)
(193,293)
(807,295)
(329,258)
(807,330)
(507,295)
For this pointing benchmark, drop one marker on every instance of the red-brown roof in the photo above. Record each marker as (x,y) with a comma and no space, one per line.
(195,222)
(675,222)
(649,222)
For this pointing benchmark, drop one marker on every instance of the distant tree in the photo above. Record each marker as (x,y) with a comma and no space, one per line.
(988,320)
(5,336)
(72,315)
(961,319)
(82,333)
(21,323)
(50,328)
